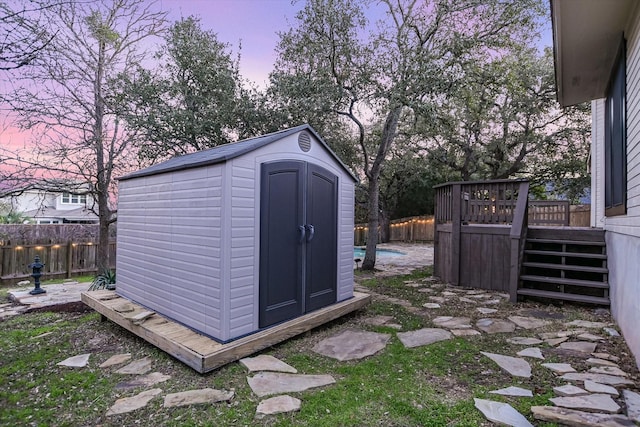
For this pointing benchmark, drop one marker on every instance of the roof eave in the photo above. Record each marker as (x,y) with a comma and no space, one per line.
(586,36)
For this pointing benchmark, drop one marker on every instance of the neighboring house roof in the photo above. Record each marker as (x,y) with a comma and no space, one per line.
(226,152)
(586,37)
(72,215)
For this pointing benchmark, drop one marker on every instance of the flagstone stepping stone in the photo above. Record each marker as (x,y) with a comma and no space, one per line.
(590,337)
(448,294)
(491,301)
(431,305)
(116,359)
(393,326)
(424,336)
(130,404)
(534,352)
(124,307)
(524,341)
(352,344)
(144,381)
(79,361)
(440,300)
(559,368)
(425,290)
(278,405)
(586,324)
(612,332)
(453,322)
(600,362)
(464,332)
(606,356)
(588,403)
(503,295)
(513,365)
(555,341)
(581,346)
(265,362)
(377,320)
(594,387)
(495,326)
(476,292)
(501,413)
(599,378)
(137,367)
(195,397)
(485,310)
(559,334)
(569,390)
(513,391)
(414,284)
(528,322)
(571,417)
(632,401)
(609,370)
(480,296)
(266,383)
(463,299)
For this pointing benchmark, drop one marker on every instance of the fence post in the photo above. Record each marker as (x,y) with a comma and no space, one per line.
(456,224)
(69,258)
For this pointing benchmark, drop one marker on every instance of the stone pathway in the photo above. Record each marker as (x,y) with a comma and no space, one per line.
(599,394)
(57,295)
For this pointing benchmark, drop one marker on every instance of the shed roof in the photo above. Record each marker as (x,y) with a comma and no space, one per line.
(222,153)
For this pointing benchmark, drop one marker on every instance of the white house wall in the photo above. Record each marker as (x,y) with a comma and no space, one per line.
(169,245)
(623,231)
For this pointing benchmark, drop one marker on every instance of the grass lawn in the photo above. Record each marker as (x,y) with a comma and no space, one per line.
(426,386)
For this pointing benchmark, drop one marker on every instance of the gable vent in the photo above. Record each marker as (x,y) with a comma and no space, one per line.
(304,141)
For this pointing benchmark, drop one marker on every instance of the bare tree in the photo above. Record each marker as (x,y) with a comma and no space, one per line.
(22,34)
(62,98)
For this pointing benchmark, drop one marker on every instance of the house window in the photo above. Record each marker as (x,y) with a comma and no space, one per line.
(68,198)
(615,139)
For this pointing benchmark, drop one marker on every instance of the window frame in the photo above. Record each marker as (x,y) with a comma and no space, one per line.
(73,199)
(615,136)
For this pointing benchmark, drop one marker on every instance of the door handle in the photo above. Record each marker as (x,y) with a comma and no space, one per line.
(312,231)
(302,232)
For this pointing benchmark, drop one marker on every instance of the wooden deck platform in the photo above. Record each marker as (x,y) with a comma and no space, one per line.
(201,352)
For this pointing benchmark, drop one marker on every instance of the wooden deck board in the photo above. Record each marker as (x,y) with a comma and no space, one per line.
(200,352)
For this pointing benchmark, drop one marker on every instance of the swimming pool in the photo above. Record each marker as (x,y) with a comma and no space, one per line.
(380,253)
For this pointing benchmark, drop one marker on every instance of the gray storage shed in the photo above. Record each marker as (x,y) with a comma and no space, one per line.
(240,237)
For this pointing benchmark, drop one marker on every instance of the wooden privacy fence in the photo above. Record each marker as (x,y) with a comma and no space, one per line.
(62,260)
(411,229)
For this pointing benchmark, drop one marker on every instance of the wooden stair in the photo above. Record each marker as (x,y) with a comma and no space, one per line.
(567,264)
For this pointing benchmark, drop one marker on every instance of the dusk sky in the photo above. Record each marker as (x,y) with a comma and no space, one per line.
(255,23)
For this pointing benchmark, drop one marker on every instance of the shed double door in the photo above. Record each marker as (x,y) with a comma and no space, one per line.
(298,240)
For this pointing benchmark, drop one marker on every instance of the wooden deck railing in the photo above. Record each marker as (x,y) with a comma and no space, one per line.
(480,230)
(549,212)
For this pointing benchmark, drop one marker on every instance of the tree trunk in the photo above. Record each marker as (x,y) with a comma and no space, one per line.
(102,253)
(386,139)
(372,237)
